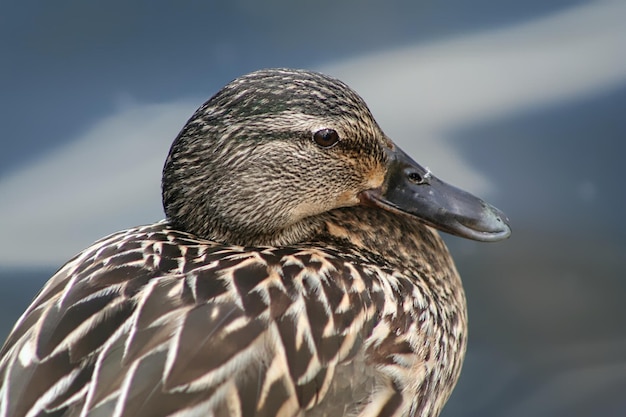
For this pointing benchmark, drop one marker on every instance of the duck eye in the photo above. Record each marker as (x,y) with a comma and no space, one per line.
(326,137)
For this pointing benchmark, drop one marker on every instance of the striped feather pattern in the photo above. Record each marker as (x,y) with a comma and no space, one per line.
(154,322)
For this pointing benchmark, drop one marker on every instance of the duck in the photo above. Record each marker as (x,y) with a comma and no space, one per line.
(299,271)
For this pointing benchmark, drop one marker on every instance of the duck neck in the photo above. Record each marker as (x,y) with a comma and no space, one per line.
(401,241)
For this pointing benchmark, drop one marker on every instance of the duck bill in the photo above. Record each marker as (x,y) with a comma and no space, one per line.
(411,189)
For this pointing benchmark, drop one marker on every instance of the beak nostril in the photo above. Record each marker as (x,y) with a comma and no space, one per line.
(416,178)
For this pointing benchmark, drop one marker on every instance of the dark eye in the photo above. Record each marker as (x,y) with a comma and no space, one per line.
(326,137)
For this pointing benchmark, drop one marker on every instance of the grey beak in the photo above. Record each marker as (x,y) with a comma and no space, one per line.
(411,189)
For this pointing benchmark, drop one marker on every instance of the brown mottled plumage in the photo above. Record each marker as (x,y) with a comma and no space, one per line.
(297,274)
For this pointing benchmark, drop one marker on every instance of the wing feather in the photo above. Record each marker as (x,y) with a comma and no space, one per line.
(176,327)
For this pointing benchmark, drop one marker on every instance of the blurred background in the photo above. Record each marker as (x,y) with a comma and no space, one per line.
(523,103)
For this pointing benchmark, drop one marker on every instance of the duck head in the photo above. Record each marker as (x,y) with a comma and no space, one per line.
(261,161)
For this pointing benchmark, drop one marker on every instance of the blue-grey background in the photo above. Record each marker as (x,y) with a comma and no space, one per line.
(523,103)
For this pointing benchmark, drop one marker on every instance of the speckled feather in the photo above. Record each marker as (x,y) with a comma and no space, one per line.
(268,291)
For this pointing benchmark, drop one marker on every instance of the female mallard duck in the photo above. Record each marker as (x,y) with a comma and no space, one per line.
(297,274)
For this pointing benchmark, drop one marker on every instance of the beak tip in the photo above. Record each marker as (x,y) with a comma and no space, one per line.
(493,226)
